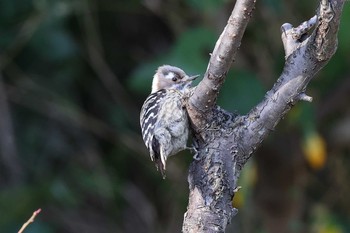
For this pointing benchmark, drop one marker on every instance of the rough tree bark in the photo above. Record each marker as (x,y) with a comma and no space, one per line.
(226,141)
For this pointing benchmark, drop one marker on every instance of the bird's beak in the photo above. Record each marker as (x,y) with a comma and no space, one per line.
(190,78)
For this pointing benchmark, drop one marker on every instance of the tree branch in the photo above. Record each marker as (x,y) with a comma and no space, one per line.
(225,141)
(30,220)
(224,53)
(304,58)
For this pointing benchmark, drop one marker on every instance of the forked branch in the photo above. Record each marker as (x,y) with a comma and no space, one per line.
(226,141)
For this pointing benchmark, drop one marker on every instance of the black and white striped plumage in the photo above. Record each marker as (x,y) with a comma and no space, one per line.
(163,118)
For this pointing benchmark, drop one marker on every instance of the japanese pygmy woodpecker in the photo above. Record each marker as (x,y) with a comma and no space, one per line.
(163,118)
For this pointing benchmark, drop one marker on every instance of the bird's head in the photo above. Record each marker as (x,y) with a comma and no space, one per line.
(171,77)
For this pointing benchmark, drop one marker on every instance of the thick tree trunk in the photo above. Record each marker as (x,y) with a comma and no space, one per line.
(226,141)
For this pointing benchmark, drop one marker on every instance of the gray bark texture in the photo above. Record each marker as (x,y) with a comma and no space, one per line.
(226,141)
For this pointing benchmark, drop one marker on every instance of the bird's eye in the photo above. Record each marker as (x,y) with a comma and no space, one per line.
(174,79)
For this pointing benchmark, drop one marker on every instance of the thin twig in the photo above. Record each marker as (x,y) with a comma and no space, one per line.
(30,220)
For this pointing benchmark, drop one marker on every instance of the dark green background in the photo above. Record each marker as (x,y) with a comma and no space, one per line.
(74,75)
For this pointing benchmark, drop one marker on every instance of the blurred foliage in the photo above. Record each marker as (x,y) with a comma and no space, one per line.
(73,76)
(314,149)
(193,62)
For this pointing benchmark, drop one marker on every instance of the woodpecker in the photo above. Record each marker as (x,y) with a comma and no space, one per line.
(163,118)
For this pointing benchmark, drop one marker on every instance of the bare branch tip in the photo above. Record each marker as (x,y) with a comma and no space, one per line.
(305,97)
(313,20)
(292,37)
(285,27)
(30,220)
(324,2)
(237,189)
(37,212)
(326,10)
